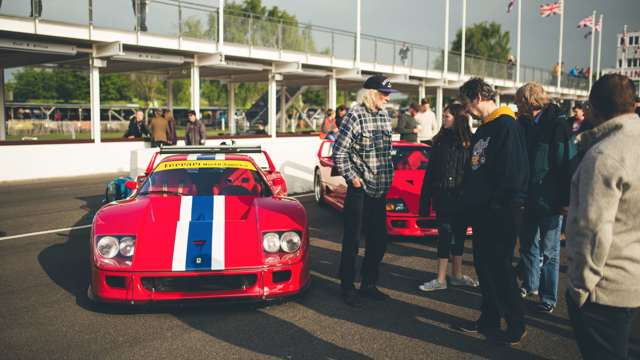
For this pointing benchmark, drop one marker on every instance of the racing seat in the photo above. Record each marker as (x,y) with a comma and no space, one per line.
(174,181)
(238,182)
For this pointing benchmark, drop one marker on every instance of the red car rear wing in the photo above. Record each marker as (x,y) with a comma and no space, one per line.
(221,149)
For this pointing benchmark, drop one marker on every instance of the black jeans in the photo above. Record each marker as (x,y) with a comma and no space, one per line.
(494,239)
(362,212)
(452,230)
(602,332)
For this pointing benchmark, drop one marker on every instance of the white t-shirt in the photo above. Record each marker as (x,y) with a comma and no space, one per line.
(428,125)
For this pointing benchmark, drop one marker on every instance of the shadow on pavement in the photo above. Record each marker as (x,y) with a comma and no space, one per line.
(67,264)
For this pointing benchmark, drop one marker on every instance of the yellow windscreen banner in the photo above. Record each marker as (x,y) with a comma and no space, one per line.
(205,164)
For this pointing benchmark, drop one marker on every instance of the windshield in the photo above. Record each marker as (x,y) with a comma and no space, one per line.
(411,158)
(206,177)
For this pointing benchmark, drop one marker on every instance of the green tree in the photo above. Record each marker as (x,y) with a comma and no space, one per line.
(116,88)
(485,39)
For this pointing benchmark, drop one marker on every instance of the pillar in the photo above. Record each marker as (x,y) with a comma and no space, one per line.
(170,95)
(271,104)
(332,92)
(283,110)
(422,92)
(498,99)
(3,119)
(195,89)
(231,108)
(94,95)
(439,104)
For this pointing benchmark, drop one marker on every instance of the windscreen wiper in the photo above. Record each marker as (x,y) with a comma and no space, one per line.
(164,192)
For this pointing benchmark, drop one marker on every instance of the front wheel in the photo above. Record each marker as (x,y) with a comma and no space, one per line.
(318,190)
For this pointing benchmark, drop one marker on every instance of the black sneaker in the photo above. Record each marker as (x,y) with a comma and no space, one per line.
(511,338)
(372,292)
(351,298)
(474,327)
(545,308)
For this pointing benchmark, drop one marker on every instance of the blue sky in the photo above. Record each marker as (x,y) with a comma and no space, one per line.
(422,21)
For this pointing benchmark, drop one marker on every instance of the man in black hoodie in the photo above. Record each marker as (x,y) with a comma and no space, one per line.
(495,190)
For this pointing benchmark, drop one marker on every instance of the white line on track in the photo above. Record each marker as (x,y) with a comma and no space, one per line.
(87,226)
(44,232)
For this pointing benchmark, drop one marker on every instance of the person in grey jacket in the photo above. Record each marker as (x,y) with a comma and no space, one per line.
(195,133)
(603,231)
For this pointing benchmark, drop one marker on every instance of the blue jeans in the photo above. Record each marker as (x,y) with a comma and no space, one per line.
(540,254)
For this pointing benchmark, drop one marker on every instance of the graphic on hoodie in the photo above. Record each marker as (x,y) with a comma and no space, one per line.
(478,155)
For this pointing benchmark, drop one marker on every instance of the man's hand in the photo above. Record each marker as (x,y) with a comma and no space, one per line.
(564,210)
(356,183)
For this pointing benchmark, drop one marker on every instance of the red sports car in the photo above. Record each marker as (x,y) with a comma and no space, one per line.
(205,222)
(410,161)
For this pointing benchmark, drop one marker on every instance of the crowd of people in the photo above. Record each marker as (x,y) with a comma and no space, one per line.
(161,128)
(512,182)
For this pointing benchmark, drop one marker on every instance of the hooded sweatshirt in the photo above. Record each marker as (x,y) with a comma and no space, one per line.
(498,172)
(603,231)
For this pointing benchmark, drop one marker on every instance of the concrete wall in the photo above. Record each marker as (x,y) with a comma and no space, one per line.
(294,157)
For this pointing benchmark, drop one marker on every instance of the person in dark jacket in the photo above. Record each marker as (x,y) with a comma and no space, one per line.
(442,186)
(172,137)
(407,125)
(578,123)
(137,127)
(195,132)
(494,190)
(551,151)
(341,113)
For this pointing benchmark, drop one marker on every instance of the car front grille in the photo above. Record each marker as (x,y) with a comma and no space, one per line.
(204,283)
(427,224)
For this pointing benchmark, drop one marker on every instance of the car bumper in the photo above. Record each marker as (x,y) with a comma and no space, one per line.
(246,284)
(411,226)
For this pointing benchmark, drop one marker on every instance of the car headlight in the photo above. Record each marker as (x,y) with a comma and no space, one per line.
(271,242)
(290,242)
(127,246)
(396,205)
(108,247)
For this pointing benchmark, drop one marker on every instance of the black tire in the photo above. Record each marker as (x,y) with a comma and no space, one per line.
(318,190)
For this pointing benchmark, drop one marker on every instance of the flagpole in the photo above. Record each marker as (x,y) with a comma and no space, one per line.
(593,35)
(445,67)
(624,47)
(519,32)
(601,23)
(464,35)
(560,44)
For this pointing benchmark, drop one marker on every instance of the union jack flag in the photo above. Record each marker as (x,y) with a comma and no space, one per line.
(547,10)
(588,21)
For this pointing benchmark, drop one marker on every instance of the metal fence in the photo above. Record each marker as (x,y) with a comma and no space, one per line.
(199,20)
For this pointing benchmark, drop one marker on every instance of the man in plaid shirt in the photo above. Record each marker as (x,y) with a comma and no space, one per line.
(362,155)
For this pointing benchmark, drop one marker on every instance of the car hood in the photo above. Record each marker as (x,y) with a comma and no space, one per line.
(407,185)
(198,233)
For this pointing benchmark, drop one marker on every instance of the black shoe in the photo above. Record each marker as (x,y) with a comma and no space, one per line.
(351,298)
(474,327)
(372,292)
(545,308)
(511,338)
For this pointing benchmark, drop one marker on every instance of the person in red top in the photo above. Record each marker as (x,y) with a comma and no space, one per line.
(329,129)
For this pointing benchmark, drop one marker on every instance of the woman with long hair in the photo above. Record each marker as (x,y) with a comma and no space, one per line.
(171,129)
(442,187)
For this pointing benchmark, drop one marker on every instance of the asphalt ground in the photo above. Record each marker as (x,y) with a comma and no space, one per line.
(44,312)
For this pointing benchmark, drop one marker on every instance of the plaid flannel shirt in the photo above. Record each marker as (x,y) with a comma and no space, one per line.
(363,150)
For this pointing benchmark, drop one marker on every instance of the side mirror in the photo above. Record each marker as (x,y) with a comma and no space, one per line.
(141,179)
(131,185)
(279,186)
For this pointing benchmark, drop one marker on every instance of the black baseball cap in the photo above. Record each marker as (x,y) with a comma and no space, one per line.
(380,83)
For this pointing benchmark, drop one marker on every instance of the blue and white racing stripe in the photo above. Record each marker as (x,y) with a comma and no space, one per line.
(200,231)
(200,234)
